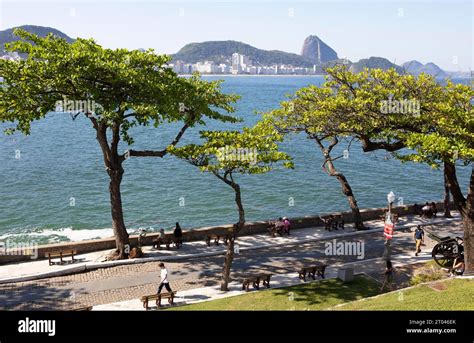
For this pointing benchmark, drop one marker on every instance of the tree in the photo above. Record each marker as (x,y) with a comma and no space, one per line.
(448,141)
(417,119)
(305,112)
(228,153)
(115,89)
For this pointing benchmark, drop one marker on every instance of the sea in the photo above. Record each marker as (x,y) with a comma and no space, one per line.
(54,187)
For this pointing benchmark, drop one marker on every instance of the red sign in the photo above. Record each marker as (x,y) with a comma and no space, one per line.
(388,229)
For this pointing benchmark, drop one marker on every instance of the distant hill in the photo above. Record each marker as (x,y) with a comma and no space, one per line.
(314,49)
(415,68)
(374,63)
(6,36)
(314,52)
(412,66)
(221,52)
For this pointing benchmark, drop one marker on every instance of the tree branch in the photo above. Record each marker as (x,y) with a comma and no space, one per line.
(368,145)
(159,153)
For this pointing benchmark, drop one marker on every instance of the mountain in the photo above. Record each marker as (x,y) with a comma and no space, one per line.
(374,63)
(415,68)
(433,69)
(6,36)
(221,52)
(412,67)
(313,52)
(314,49)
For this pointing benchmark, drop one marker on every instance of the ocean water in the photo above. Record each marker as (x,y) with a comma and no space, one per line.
(53,185)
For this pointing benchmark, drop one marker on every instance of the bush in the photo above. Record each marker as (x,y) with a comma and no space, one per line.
(427,275)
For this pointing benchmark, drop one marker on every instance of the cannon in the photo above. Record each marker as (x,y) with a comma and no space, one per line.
(446,250)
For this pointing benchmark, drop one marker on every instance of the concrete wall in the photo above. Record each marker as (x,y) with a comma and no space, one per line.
(201,233)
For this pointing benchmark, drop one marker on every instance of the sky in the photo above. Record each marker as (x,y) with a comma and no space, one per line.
(438,31)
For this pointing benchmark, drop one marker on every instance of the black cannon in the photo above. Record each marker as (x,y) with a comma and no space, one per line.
(446,250)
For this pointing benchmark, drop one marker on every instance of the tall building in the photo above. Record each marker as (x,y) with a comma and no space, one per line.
(236,68)
(240,63)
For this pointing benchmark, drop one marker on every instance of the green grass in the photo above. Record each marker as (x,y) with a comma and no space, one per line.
(309,296)
(458,295)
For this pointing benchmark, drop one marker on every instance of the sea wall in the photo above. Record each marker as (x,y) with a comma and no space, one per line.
(201,233)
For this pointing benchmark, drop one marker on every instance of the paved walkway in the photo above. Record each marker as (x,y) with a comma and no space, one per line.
(25,271)
(130,281)
(197,295)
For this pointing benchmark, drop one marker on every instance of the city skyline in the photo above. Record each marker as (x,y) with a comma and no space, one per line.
(438,32)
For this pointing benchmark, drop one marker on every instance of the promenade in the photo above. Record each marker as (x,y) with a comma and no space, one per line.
(195,269)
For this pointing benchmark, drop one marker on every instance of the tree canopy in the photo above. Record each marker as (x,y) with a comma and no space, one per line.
(128,87)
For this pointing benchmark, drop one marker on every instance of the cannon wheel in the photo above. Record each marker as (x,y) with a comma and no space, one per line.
(444,253)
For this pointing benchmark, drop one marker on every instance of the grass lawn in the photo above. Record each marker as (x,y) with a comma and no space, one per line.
(452,294)
(309,296)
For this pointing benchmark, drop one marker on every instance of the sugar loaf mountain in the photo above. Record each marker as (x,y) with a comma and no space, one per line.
(232,57)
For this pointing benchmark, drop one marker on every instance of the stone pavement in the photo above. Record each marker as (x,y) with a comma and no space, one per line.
(25,271)
(196,295)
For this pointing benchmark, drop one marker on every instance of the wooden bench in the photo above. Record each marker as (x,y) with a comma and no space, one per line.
(215,237)
(255,281)
(275,229)
(212,237)
(159,241)
(62,253)
(146,298)
(312,271)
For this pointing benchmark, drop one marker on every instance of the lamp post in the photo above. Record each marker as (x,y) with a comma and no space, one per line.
(390,199)
(388,227)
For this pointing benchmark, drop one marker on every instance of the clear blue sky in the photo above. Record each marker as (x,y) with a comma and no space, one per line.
(429,31)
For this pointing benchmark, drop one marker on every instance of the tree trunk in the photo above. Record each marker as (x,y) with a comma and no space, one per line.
(118,225)
(466,209)
(447,211)
(468,223)
(113,164)
(347,190)
(229,256)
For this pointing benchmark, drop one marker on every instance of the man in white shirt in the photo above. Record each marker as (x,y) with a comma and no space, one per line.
(164,279)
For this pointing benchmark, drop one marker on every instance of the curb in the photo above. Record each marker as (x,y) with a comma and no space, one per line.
(107,264)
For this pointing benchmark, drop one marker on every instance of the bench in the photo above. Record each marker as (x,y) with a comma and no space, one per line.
(273,230)
(330,223)
(146,298)
(166,241)
(312,271)
(278,229)
(212,237)
(255,281)
(62,253)
(215,237)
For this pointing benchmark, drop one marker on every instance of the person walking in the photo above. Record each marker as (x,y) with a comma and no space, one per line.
(419,236)
(164,279)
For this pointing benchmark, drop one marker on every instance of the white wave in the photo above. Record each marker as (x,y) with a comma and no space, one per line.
(69,233)
(73,235)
